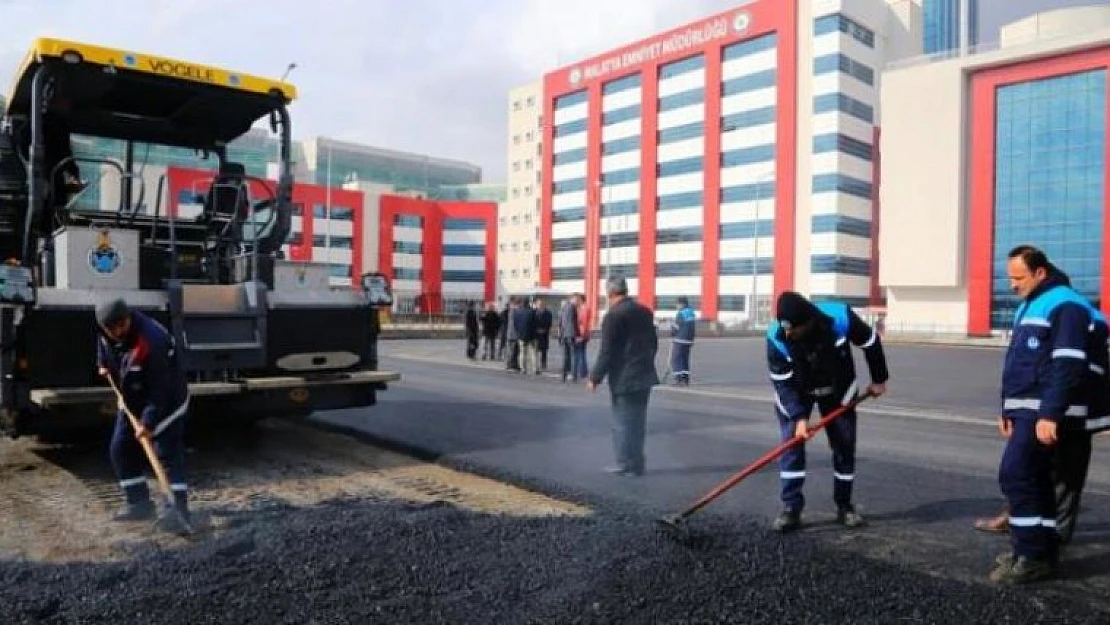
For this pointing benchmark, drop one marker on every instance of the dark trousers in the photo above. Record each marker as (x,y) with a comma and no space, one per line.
(680,360)
(489,347)
(629,426)
(841,434)
(471,345)
(513,358)
(1025,477)
(129,460)
(581,370)
(1070,461)
(568,359)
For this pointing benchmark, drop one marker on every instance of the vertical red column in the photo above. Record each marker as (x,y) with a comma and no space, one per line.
(711,198)
(786,147)
(1104,286)
(490,217)
(357,201)
(593,194)
(876,170)
(385,236)
(649,144)
(546,167)
(432,259)
(981,223)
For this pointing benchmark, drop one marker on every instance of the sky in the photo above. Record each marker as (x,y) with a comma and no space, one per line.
(427,76)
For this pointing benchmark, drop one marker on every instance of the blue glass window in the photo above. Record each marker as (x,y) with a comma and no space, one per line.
(751,46)
(464,275)
(568,214)
(408,221)
(570,156)
(407,273)
(334,242)
(845,24)
(678,269)
(748,192)
(1050,165)
(732,303)
(623,207)
(627,271)
(681,99)
(751,82)
(841,224)
(408,247)
(835,263)
(569,128)
(680,166)
(570,99)
(830,102)
(670,302)
(674,201)
(618,146)
(463,249)
(568,245)
(569,186)
(835,142)
(743,266)
(826,183)
(678,68)
(747,156)
(748,119)
(747,229)
(621,84)
(620,115)
(567,273)
(619,239)
(464,224)
(843,63)
(681,133)
(687,234)
(621,176)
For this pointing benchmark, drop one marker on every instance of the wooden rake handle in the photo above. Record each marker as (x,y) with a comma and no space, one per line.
(148,448)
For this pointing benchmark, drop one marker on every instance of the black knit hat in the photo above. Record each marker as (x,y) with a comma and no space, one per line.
(111,311)
(794,309)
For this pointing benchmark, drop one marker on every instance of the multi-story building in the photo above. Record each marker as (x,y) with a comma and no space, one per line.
(726,160)
(950,25)
(987,151)
(337,162)
(519,218)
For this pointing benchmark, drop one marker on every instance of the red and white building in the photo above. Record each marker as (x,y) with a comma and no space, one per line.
(726,160)
(987,151)
(436,254)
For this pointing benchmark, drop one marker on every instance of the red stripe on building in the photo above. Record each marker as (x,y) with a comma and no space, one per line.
(547,164)
(711,194)
(984,85)
(786,145)
(649,162)
(592,270)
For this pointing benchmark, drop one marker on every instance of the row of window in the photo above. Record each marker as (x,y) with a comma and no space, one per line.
(843,23)
(464,224)
(836,263)
(408,221)
(407,273)
(833,102)
(841,224)
(622,114)
(824,183)
(830,63)
(836,142)
(464,275)
(464,249)
(729,122)
(619,239)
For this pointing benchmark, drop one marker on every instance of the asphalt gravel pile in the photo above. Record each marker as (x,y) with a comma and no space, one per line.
(388,562)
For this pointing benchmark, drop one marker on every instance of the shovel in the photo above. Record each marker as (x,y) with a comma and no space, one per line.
(676,522)
(159,470)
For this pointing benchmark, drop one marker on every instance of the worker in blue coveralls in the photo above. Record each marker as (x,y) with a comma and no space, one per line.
(682,341)
(810,362)
(139,355)
(1054,392)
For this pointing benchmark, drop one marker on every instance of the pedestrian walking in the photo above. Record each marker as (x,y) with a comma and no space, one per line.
(629,342)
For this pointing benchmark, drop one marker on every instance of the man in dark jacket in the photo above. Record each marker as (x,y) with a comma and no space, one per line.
(503,337)
(627,357)
(1053,394)
(810,360)
(524,329)
(491,323)
(140,356)
(544,321)
(471,324)
(568,334)
(682,331)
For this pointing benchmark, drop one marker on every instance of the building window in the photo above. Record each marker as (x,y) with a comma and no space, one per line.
(528,164)
(528,136)
(464,275)
(835,263)
(527,272)
(334,242)
(835,142)
(408,221)
(516,105)
(516,219)
(407,273)
(624,114)
(621,84)
(681,99)
(516,165)
(844,24)
(678,68)
(513,273)
(841,224)
(408,247)
(516,139)
(464,224)
(842,63)
(464,249)
(527,246)
(748,119)
(831,102)
(1049,180)
(571,99)
(622,176)
(567,273)
(825,183)
(531,101)
(515,246)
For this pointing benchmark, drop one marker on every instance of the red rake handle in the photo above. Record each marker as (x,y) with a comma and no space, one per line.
(771,456)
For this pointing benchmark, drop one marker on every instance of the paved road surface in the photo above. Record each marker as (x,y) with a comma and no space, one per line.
(928,453)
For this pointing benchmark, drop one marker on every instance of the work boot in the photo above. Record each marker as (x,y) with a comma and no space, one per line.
(143,511)
(848,517)
(787,521)
(1021,570)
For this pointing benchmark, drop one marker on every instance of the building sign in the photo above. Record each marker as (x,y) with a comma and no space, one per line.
(687,39)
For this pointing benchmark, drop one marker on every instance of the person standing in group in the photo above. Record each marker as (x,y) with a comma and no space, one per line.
(629,342)
(682,341)
(544,321)
(470,322)
(1053,394)
(582,338)
(503,336)
(491,323)
(524,329)
(810,362)
(568,332)
(512,361)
